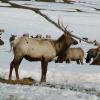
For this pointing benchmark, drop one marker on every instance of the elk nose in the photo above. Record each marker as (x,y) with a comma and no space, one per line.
(75,42)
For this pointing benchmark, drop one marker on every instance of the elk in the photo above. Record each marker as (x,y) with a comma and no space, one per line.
(72,54)
(39,36)
(26,34)
(92,53)
(1,41)
(96,61)
(2,30)
(48,36)
(44,50)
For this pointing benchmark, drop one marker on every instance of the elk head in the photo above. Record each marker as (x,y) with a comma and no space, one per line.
(67,34)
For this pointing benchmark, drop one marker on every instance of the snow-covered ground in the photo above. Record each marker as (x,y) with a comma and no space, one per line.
(70,81)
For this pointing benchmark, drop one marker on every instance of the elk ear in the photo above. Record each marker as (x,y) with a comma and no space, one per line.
(98,49)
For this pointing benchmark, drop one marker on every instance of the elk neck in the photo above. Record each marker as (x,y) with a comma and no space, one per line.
(61,45)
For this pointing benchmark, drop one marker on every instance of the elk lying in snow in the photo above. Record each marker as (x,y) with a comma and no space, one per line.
(92,53)
(38,36)
(96,43)
(43,50)
(72,54)
(96,61)
(2,30)
(26,34)
(1,41)
(48,36)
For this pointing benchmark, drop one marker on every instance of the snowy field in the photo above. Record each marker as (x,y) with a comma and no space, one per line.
(69,81)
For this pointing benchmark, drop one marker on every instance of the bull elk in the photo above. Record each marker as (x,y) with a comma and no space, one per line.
(44,50)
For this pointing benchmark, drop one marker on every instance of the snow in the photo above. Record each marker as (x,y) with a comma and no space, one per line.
(41,93)
(79,82)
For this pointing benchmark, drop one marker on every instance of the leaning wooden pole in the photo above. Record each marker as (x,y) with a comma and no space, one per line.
(37,10)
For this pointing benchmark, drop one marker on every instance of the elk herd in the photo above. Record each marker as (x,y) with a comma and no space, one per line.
(46,50)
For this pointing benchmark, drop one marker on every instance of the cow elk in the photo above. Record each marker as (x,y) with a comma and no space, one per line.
(92,53)
(72,54)
(96,61)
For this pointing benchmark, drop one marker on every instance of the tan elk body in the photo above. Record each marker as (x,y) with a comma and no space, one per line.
(72,54)
(35,49)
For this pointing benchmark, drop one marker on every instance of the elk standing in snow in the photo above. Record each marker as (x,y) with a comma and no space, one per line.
(72,54)
(92,53)
(43,50)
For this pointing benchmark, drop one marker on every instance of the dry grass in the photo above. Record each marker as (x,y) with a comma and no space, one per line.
(24,81)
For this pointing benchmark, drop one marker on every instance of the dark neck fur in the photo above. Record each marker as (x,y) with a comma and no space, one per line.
(60,45)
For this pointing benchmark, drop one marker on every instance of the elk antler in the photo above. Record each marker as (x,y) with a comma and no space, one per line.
(62,27)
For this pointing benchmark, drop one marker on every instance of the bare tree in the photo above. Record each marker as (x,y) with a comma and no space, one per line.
(46,0)
(37,10)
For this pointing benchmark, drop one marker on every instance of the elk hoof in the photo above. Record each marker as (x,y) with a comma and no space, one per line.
(42,81)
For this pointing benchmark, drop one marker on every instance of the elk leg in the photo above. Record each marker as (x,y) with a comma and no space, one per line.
(67,60)
(44,64)
(42,71)
(12,65)
(45,70)
(78,62)
(16,71)
(81,60)
(17,67)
